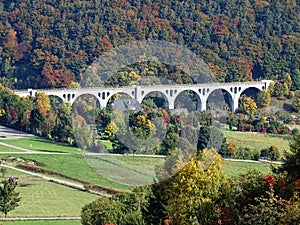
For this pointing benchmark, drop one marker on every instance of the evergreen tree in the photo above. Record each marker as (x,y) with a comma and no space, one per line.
(36,120)
(291,162)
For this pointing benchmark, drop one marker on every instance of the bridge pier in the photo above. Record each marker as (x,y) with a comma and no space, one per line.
(235,104)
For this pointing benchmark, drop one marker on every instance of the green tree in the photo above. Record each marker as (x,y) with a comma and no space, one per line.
(170,143)
(121,209)
(291,160)
(296,104)
(272,152)
(9,198)
(142,127)
(36,120)
(48,125)
(203,138)
(211,138)
(264,98)
(83,133)
(231,121)
(63,130)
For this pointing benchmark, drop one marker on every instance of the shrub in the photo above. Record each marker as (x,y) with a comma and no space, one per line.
(121,209)
(244,153)
(295,131)
(272,153)
(231,149)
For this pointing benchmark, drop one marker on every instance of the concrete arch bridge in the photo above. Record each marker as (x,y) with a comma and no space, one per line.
(202,91)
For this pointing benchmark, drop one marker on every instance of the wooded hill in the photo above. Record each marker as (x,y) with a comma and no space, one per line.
(50,43)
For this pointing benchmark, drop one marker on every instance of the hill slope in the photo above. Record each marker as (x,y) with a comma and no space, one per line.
(49,43)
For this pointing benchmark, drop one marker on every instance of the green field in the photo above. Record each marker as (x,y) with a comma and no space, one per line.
(40,198)
(43,222)
(71,165)
(8,149)
(257,141)
(41,144)
(233,168)
(128,170)
(122,172)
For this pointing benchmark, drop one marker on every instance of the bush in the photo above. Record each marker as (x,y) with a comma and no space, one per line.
(244,153)
(295,132)
(121,209)
(272,153)
(231,149)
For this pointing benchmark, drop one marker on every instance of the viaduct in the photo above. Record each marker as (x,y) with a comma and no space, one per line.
(201,90)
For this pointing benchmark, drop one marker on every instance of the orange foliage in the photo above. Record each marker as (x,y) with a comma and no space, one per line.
(56,77)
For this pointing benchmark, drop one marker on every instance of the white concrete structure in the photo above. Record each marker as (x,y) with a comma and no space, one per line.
(171,92)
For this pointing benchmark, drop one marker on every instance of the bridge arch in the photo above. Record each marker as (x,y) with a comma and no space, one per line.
(118,95)
(159,98)
(251,92)
(220,99)
(86,105)
(87,97)
(188,99)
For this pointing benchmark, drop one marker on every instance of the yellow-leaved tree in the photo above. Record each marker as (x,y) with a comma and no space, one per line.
(193,194)
(249,106)
(43,103)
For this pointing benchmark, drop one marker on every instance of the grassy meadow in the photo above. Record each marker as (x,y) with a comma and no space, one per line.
(40,198)
(73,165)
(257,141)
(234,168)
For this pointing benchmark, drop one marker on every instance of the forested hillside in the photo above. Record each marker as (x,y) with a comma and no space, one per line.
(49,43)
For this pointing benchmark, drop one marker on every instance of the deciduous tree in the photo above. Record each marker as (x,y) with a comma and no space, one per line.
(264,98)
(43,102)
(194,191)
(249,106)
(9,198)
